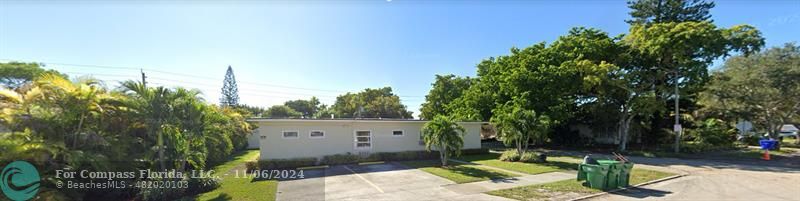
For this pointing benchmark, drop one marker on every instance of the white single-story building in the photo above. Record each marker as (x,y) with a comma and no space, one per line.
(296,138)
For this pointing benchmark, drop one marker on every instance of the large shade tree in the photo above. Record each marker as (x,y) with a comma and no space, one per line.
(446,89)
(763,88)
(308,108)
(370,103)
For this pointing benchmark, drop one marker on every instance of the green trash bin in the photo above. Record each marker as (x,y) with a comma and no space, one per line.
(625,174)
(595,175)
(581,173)
(614,169)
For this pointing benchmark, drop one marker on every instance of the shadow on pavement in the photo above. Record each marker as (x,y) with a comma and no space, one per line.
(641,193)
(766,166)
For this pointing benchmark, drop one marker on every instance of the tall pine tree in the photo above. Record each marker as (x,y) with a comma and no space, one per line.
(230,92)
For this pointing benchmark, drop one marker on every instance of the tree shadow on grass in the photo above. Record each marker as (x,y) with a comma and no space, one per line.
(477,172)
(560,165)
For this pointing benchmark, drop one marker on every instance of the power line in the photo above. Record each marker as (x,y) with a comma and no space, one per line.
(188,75)
(250,92)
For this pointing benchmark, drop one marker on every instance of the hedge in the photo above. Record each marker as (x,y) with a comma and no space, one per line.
(339,159)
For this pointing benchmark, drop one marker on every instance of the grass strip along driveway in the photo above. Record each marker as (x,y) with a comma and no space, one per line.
(232,188)
(553,164)
(566,189)
(458,173)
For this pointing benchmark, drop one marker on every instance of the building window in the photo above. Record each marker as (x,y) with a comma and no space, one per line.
(290,134)
(421,141)
(397,133)
(316,134)
(363,140)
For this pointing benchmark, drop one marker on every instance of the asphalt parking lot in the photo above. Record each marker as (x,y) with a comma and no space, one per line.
(388,181)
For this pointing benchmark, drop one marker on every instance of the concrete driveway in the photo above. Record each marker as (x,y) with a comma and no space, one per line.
(709,180)
(389,181)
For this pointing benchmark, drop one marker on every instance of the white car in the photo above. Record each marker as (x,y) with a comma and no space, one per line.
(788,130)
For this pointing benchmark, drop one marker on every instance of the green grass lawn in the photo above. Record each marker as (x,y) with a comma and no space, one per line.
(232,188)
(554,163)
(789,142)
(458,173)
(571,188)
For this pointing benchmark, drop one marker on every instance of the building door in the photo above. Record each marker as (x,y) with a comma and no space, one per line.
(363,140)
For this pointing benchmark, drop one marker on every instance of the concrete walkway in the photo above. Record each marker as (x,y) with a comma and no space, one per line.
(498,184)
(486,186)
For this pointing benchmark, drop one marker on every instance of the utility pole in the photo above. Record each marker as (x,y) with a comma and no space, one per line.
(144,81)
(677,127)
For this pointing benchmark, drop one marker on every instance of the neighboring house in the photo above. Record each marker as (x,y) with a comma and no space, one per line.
(252,140)
(295,138)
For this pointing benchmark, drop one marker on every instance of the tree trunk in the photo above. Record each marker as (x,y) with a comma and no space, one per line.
(77,132)
(442,155)
(161,150)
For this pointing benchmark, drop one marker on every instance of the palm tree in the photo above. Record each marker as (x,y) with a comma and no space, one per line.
(152,105)
(81,101)
(445,135)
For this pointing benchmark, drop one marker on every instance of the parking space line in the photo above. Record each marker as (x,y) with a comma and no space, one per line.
(365,180)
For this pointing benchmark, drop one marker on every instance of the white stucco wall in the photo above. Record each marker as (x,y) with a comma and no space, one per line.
(340,137)
(253,140)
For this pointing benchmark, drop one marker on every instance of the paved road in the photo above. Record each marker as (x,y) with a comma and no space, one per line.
(708,180)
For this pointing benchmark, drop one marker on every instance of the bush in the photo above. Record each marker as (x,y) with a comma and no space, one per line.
(285,163)
(695,147)
(202,185)
(474,151)
(713,132)
(408,155)
(148,194)
(339,159)
(251,165)
(527,157)
(510,155)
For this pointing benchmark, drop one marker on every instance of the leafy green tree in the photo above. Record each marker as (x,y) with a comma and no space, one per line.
(659,11)
(370,103)
(445,135)
(282,111)
(445,90)
(763,88)
(15,74)
(519,126)
(230,91)
(678,54)
(308,108)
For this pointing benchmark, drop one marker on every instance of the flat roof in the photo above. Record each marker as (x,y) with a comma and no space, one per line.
(346,120)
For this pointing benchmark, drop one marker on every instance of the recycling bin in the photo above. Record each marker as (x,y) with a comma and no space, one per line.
(595,175)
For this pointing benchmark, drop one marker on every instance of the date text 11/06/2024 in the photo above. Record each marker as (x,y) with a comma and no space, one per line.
(271,174)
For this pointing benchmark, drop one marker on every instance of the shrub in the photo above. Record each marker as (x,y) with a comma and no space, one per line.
(713,132)
(510,155)
(147,193)
(533,157)
(251,165)
(697,147)
(286,163)
(339,159)
(527,157)
(408,155)
(474,151)
(202,185)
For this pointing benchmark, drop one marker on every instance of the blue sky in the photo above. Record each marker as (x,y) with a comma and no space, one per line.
(283,50)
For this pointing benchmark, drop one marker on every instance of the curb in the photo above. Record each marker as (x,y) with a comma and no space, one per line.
(313,167)
(371,163)
(626,188)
